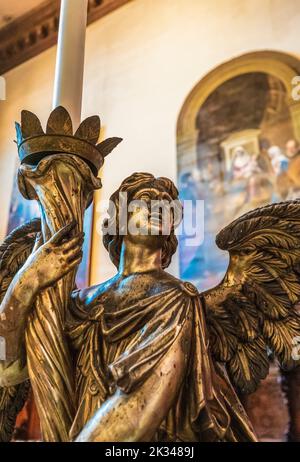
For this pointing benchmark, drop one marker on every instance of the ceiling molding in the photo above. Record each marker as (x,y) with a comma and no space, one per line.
(37,30)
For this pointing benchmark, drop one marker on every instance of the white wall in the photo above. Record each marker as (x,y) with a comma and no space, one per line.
(141,62)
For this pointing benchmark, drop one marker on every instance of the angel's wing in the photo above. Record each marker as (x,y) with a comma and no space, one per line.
(12,399)
(253,311)
(14,251)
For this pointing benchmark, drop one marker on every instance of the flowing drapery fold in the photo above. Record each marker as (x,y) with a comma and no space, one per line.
(120,348)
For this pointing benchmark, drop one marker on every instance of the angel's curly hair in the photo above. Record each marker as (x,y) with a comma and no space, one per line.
(131,185)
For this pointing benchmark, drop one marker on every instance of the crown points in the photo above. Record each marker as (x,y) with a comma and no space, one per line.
(89,129)
(108,145)
(59,122)
(31,126)
(34,144)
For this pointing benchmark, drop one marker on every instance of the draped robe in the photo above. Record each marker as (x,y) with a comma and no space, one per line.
(121,348)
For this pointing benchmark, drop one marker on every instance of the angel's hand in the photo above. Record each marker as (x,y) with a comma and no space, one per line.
(56,258)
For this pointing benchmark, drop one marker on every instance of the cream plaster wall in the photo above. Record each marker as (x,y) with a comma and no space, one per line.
(141,63)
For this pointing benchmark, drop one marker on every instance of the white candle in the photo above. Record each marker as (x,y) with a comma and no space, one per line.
(70,57)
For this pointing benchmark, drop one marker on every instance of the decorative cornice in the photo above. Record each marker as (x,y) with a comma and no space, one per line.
(35,31)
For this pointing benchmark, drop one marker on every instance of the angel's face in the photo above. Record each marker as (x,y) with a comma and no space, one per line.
(150,217)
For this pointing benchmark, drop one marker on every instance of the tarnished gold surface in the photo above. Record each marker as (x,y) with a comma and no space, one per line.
(64,186)
(143,356)
(54,173)
(14,383)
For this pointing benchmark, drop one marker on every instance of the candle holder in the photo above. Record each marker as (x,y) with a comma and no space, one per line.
(59,170)
(153,359)
(34,144)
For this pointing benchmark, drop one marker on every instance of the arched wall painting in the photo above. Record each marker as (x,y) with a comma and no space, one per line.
(246,156)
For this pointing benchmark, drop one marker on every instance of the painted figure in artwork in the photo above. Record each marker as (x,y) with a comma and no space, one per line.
(143,356)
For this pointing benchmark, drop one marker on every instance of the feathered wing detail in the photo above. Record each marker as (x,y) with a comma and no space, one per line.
(253,311)
(12,399)
(14,251)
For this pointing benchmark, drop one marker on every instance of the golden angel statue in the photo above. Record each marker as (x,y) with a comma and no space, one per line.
(143,356)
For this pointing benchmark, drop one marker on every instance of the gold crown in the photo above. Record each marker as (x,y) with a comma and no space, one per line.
(34,144)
